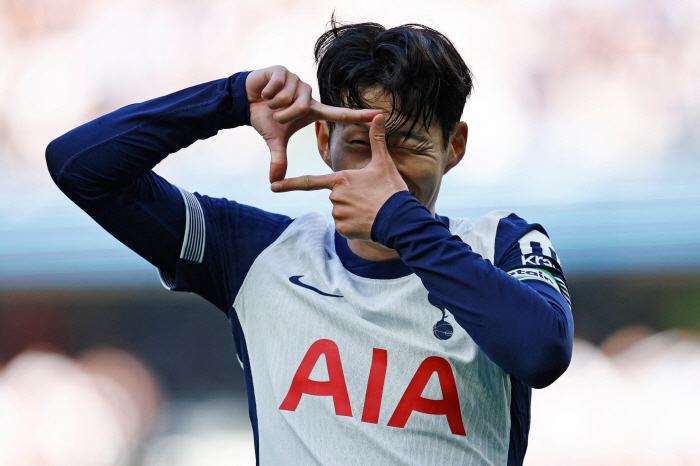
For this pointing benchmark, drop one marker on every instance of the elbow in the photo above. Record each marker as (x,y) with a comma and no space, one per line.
(551,362)
(54,159)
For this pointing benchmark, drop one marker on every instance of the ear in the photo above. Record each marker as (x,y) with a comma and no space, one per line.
(457,145)
(322,140)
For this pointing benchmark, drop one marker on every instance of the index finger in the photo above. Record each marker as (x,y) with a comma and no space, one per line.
(305,183)
(340,114)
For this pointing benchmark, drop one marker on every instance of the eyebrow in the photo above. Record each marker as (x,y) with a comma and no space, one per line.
(403,133)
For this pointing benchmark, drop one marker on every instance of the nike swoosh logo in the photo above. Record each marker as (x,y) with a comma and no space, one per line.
(295,280)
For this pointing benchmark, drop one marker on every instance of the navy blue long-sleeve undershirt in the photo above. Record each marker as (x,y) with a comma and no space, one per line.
(105,167)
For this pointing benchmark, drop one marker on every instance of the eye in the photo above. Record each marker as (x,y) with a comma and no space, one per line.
(360,142)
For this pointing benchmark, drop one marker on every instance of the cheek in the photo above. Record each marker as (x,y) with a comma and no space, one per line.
(423,174)
(344,158)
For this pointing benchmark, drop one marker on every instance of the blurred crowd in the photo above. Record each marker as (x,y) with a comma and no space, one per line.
(59,408)
(631,401)
(589,85)
(613,82)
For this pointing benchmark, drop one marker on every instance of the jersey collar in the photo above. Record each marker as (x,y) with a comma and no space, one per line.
(371,269)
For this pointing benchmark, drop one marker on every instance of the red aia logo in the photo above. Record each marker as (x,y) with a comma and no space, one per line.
(410,401)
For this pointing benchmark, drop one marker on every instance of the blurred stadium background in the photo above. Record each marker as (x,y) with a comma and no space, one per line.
(585,118)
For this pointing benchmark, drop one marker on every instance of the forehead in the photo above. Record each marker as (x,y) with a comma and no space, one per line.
(380,100)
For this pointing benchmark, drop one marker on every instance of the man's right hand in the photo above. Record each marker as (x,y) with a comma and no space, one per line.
(281,104)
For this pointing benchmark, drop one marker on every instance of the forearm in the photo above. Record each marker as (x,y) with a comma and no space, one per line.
(120,147)
(526,332)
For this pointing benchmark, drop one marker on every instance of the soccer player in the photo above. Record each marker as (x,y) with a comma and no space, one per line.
(392,336)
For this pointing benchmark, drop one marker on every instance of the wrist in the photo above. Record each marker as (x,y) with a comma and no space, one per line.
(239,94)
(380,232)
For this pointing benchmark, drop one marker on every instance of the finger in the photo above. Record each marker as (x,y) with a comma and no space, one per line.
(299,108)
(341,115)
(285,97)
(377,138)
(278,160)
(306,183)
(275,82)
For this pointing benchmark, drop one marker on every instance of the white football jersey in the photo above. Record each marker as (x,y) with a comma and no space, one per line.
(352,370)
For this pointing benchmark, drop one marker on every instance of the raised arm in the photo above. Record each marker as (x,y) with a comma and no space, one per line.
(526,327)
(199,244)
(104,166)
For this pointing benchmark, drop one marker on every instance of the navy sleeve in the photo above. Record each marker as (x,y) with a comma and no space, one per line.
(526,330)
(222,240)
(105,167)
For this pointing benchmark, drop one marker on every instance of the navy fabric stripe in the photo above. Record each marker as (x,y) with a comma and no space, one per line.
(242,351)
(508,254)
(520,402)
(366,268)
(510,230)
(520,396)
(536,248)
(553,254)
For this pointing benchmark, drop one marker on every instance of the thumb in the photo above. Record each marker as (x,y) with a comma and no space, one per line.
(377,138)
(278,159)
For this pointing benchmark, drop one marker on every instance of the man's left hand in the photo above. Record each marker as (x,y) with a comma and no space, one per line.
(357,195)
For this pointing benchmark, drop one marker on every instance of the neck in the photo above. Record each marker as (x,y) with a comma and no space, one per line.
(376,252)
(372,251)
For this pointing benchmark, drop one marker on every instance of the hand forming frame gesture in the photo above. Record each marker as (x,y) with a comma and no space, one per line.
(280,105)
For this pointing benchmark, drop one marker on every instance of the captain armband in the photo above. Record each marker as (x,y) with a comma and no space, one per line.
(526,273)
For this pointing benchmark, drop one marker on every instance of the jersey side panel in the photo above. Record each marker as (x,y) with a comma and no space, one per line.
(525,251)
(221,242)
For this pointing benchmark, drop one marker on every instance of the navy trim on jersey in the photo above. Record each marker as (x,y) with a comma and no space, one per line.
(507,254)
(242,352)
(368,269)
(520,402)
(386,270)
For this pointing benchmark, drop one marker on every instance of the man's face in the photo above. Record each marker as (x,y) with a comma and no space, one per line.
(421,158)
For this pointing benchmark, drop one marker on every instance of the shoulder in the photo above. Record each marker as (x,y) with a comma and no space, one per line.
(529,239)
(224,210)
(310,230)
(508,240)
(482,235)
(525,251)
(522,249)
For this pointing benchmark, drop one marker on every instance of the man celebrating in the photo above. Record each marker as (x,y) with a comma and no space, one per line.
(393,335)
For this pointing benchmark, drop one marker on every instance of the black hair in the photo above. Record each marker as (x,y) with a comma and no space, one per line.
(417,67)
